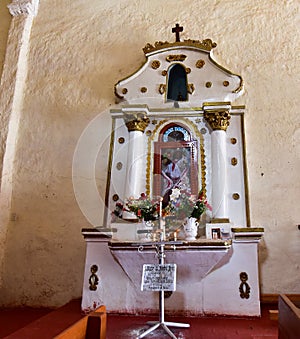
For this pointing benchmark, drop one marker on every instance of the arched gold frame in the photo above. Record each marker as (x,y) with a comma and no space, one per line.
(150,152)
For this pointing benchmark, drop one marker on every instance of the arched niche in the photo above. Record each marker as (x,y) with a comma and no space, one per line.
(177,83)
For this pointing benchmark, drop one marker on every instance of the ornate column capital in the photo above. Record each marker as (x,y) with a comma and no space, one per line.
(136,121)
(217,119)
(19,7)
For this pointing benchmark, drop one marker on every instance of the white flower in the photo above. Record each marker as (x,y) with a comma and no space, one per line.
(175,194)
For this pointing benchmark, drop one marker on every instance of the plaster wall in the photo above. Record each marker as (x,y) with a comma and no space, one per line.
(78,51)
(5,19)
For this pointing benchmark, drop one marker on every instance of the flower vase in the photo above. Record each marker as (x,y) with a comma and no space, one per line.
(190,228)
(145,230)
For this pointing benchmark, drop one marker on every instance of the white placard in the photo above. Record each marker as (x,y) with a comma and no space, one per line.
(159,277)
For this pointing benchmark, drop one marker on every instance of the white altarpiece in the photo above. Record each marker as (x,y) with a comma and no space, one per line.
(180,100)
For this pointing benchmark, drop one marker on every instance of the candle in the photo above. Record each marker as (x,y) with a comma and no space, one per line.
(160,207)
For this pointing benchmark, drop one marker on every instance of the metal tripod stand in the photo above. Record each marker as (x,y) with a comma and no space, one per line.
(160,246)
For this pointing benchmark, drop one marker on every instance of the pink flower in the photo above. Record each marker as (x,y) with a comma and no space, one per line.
(208,205)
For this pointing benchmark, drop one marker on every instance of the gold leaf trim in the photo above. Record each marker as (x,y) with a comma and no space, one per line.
(206,45)
(247,229)
(176,57)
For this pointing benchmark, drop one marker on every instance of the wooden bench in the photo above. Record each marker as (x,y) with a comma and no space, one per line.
(92,326)
(288,318)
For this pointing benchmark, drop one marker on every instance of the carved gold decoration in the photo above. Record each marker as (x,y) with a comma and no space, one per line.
(190,88)
(203,130)
(244,286)
(121,140)
(187,70)
(155,64)
(206,45)
(164,73)
(175,57)
(115,197)
(234,161)
(208,84)
(233,141)
(136,121)
(217,119)
(225,83)
(124,90)
(119,166)
(162,88)
(148,133)
(200,63)
(144,89)
(154,122)
(235,196)
(93,279)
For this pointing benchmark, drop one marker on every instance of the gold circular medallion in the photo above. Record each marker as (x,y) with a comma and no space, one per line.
(155,64)
(234,161)
(200,63)
(235,196)
(115,197)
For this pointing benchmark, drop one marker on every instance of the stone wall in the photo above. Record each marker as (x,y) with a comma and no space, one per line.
(78,50)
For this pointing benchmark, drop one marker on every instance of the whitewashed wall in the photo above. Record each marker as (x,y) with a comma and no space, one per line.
(78,50)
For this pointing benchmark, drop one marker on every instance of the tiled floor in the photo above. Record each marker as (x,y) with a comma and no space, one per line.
(44,324)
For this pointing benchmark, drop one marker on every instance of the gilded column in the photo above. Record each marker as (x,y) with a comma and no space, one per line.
(218,120)
(136,123)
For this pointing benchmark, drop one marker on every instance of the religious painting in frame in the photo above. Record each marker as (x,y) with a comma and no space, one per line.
(175,166)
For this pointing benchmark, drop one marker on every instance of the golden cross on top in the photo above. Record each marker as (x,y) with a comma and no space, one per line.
(177,29)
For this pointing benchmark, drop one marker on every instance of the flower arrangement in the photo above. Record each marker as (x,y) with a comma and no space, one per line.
(183,205)
(180,205)
(143,207)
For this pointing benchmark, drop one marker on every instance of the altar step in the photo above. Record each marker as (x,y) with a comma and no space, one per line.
(46,324)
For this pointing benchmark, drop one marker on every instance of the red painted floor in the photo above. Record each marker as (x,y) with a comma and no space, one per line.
(44,323)
(124,327)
